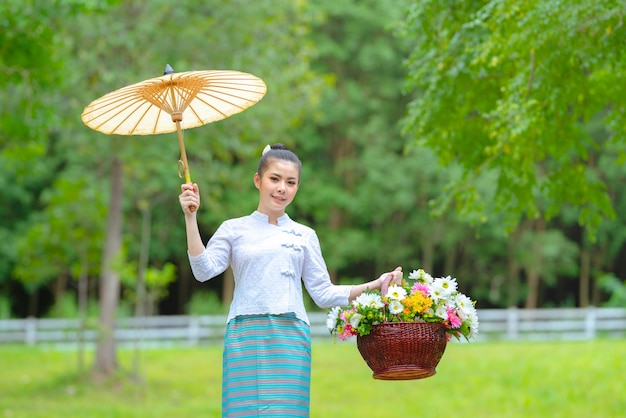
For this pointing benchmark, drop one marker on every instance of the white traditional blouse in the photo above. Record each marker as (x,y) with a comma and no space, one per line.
(269,263)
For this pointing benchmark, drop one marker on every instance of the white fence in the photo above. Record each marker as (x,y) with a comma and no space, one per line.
(552,324)
(495,324)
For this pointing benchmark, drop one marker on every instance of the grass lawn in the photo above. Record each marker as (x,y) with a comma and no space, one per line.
(557,379)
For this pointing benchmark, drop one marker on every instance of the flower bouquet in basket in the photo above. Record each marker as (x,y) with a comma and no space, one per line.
(402,331)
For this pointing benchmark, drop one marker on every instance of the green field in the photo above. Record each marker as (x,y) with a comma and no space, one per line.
(558,379)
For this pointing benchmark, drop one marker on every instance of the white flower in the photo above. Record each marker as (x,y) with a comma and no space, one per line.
(414,275)
(355,320)
(464,305)
(372,300)
(442,312)
(396,292)
(333,316)
(437,294)
(421,276)
(473,323)
(447,285)
(395,307)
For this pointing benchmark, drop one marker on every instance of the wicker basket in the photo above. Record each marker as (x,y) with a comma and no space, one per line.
(403,350)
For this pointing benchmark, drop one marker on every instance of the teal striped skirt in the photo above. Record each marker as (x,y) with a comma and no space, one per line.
(266,367)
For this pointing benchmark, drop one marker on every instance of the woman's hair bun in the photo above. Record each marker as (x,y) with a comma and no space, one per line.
(274,147)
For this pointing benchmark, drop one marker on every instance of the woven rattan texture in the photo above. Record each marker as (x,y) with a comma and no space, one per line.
(403,350)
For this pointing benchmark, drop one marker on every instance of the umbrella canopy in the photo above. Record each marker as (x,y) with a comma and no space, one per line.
(172,102)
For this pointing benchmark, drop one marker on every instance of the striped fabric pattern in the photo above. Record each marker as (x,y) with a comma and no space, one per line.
(266,367)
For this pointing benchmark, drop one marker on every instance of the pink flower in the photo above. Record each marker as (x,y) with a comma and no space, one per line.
(453,319)
(348,332)
(420,287)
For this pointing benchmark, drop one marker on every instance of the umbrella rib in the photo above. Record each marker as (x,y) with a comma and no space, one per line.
(145,112)
(132,101)
(106,103)
(187,95)
(232,103)
(119,113)
(157,95)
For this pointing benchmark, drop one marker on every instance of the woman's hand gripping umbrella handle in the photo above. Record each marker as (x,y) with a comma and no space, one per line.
(189,198)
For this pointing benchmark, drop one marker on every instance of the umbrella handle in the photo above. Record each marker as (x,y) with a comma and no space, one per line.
(177,118)
(183,171)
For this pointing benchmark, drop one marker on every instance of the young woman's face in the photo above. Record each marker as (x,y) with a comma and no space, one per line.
(277,186)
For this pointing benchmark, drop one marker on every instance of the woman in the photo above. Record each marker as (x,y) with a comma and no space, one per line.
(267,347)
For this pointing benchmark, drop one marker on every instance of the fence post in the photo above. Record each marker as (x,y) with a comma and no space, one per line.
(193,332)
(590,322)
(31,331)
(512,323)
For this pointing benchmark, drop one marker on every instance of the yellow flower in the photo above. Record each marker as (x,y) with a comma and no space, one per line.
(416,304)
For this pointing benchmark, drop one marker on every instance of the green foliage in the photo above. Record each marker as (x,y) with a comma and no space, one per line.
(351,147)
(616,288)
(34,58)
(157,280)
(34,63)
(121,43)
(67,307)
(205,303)
(507,89)
(548,251)
(520,102)
(68,232)
(5,307)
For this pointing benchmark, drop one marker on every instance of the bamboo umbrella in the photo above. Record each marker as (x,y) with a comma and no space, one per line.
(161,105)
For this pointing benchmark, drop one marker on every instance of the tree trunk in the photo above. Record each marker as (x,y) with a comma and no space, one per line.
(140,287)
(533,289)
(584,277)
(144,258)
(534,269)
(334,222)
(33,303)
(184,285)
(428,255)
(450,261)
(597,258)
(60,286)
(106,359)
(83,297)
(513,270)
(341,149)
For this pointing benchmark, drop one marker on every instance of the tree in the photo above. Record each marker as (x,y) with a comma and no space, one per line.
(29,67)
(335,76)
(508,88)
(255,39)
(351,141)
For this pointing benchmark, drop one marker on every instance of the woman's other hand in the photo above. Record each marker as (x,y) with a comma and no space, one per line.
(392,277)
(385,279)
